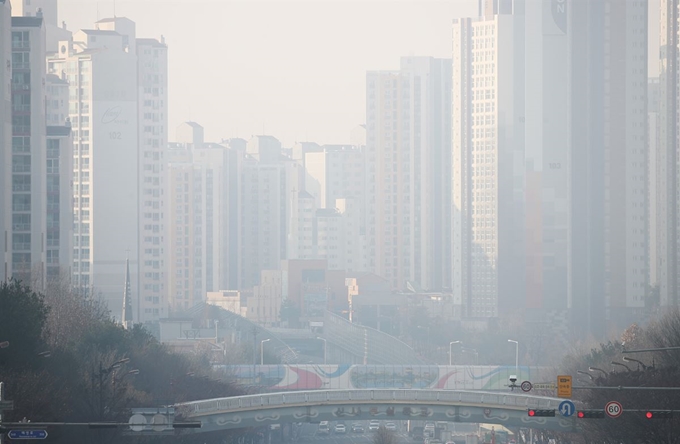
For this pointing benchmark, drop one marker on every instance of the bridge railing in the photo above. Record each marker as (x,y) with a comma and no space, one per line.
(420,397)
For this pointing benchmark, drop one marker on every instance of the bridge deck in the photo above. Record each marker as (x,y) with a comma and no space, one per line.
(509,401)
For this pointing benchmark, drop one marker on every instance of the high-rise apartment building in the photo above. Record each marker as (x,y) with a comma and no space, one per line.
(263,202)
(488,163)
(408,176)
(152,105)
(667,172)
(5,132)
(608,164)
(653,103)
(26,202)
(101,68)
(200,218)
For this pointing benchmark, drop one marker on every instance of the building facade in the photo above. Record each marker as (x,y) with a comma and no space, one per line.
(488,169)
(27,254)
(407,168)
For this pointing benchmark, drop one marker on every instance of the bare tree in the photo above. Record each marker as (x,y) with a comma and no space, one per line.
(384,436)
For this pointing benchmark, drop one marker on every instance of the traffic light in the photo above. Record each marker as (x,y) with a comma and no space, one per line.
(659,414)
(535,412)
(590,414)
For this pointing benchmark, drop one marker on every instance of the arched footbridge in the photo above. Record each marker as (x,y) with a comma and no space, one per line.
(507,409)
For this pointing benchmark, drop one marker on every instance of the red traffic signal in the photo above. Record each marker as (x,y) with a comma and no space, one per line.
(536,412)
(590,414)
(659,414)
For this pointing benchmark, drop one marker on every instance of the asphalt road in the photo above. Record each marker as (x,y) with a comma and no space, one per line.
(308,433)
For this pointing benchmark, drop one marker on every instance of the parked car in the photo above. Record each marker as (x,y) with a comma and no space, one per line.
(391,426)
(340,428)
(358,427)
(374,425)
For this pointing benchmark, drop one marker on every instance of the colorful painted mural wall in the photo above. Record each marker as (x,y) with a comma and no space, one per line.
(313,377)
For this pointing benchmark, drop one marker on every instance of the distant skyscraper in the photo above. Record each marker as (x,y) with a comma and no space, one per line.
(152,103)
(608,186)
(408,158)
(101,68)
(26,154)
(667,171)
(200,214)
(488,163)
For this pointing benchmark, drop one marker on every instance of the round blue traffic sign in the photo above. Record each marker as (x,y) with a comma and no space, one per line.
(567,408)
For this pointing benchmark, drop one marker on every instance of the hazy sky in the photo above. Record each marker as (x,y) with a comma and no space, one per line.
(292,69)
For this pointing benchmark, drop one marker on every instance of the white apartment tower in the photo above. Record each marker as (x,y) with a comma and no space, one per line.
(200,221)
(667,171)
(152,105)
(101,69)
(25,198)
(487,164)
(408,158)
(262,212)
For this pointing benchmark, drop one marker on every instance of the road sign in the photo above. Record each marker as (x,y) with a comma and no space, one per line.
(564,386)
(567,408)
(27,434)
(613,409)
(544,386)
(526,386)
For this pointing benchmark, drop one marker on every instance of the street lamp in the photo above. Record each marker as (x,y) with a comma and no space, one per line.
(262,350)
(581,372)
(640,363)
(325,344)
(450,352)
(114,380)
(105,372)
(621,365)
(516,354)
(595,369)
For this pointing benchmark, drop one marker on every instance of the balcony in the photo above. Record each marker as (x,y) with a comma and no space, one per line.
(21,44)
(21,246)
(21,108)
(21,207)
(21,227)
(21,130)
(21,169)
(21,86)
(21,66)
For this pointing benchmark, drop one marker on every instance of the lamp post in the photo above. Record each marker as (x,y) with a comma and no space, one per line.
(639,363)
(262,350)
(325,345)
(581,372)
(105,372)
(621,365)
(451,352)
(595,369)
(516,354)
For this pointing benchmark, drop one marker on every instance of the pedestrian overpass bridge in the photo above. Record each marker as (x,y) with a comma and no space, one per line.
(507,409)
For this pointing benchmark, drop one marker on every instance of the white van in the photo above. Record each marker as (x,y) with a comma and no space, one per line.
(324,428)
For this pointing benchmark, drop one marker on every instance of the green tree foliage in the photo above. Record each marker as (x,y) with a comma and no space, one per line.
(649,369)
(80,380)
(22,318)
